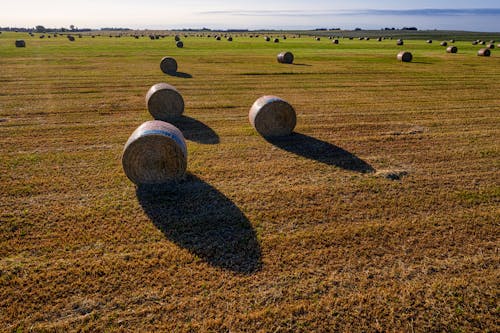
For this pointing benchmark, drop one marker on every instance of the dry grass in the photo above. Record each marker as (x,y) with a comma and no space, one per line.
(305,234)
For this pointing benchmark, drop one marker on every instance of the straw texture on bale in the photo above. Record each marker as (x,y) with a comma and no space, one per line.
(285,57)
(164,102)
(20,43)
(405,56)
(155,153)
(272,116)
(484,53)
(168,65)
(179,44)
(452,49)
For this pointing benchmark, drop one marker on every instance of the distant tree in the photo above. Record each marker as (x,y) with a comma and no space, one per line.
(72,27)
(40,28)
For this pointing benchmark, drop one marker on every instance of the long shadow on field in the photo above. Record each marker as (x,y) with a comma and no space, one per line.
(199,218)
(196,131)
(182,75)
(321,151)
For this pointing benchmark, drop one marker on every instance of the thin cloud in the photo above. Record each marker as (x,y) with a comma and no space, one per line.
(375,12)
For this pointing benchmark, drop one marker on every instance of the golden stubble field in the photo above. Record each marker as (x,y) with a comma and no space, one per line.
(379,214)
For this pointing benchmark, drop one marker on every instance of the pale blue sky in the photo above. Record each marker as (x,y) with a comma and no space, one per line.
(481,15)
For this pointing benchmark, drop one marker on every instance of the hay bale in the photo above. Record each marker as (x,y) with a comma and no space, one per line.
(20,43)
(400,42)
(443,43)
(71,38)
(482,42)
(452,49)
(379,39)
(335,41)
(492,41)
(452,41)
(155,153)
(168,65)
(179,44)
(484,52)
(177,38)
(217,37)
(475,42)
(490,46)
(318,39)
(164,102)
(229,39)
(285,58)
(272,116)
(276,40)
(405,56)
(429,41)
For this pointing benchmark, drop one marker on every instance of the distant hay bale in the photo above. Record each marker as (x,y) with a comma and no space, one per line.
(429,41)
(179,44)
(490,46)
(168,65)
(482,42)
(379,39)
(492,41)
(335,41)
(452,49)
(475,42)
(367,38)
(272,116)
(318,39)
(155,153)
(42,36)
(177,38)
(285,57)
(276,40)
(71,38)
(452,41)
(443,43)
(405,56)
(229,39)
(217,37)
(20,43)
(484,52)
(164,102)
(400,42)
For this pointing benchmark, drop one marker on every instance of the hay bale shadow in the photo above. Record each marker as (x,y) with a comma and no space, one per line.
(321,151)
(182,75)
(199,218)
(307,65)
(196,131)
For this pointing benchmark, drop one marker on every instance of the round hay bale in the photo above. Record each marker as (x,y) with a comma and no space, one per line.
(318,39)
(155,153)
(484,52)
(490,46)
(229,39)
(452,49)
(492,41)
(285,58)
(179,44)
(452,41)
(475,42)
(164,102)
(267,39)
(482,42)
(276,40)
(367,38)
(400,42)
(443,43)
(335,41)
(379,39)
(272,116)
(168,65)
(217,37)
(405,56)
(177,38)
(20,43)
(71,38)
(429,41)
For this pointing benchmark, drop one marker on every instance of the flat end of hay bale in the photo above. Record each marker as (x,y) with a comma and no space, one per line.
(405,56)
(272,116)
(179,44)
(164,102)
(20,43)
(168,65)
(452,49)
(484,52)
(155,153)
(285,57)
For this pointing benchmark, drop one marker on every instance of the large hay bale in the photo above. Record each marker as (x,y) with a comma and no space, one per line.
(164,102)
(20,43)
(490,46)
(405,56)
(484,52)
(272,116)
(155,153)
(452,49)
(179,44)
(285,58)
(400,42)
(168,65)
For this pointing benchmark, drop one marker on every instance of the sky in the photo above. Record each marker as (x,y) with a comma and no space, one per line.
(469,15)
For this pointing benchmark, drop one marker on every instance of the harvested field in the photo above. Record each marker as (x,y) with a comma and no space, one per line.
(380,213)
